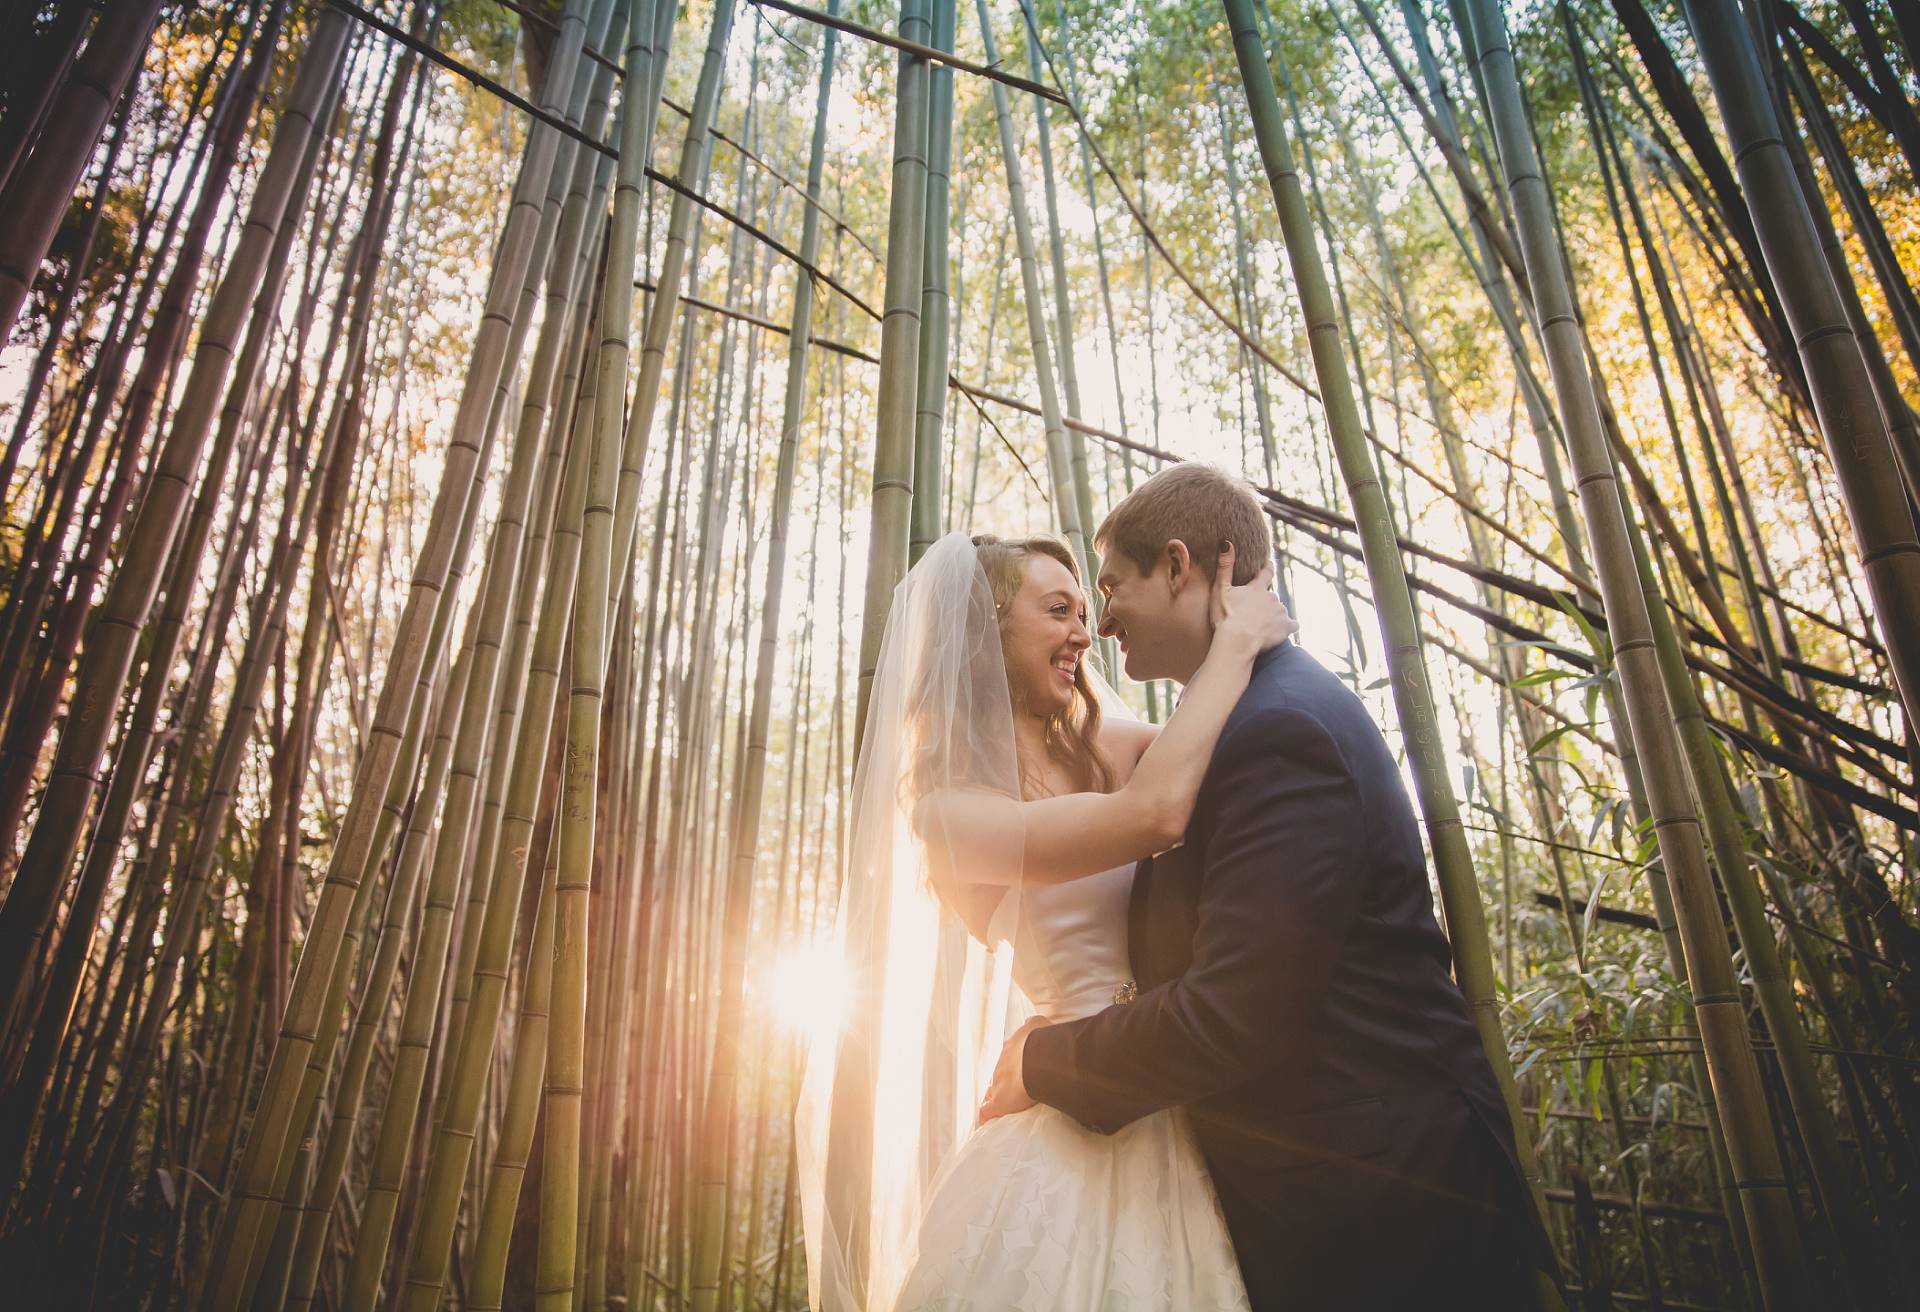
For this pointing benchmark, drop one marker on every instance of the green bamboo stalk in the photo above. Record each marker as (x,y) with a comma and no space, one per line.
(890,529)
(427,975)
(41,182)
(260,1179)
(458,1125)
(1062,301)
(307,1100)
(935,302)
(717,1116)
(580,782)
(1716,996)
(494,1227)
(121,615)
(316,1202)
(1901,428)
(1459,891)
(582,226)
(1060,468)
(1856,433)
(1246,304)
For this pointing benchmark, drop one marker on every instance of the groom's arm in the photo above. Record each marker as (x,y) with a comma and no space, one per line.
(1280,891)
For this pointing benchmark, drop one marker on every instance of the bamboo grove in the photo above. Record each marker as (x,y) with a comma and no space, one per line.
(458,455)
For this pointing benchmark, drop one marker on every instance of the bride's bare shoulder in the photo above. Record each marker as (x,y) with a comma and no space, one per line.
(1123,741)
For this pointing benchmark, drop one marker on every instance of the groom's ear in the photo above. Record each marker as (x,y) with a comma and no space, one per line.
(1179,565)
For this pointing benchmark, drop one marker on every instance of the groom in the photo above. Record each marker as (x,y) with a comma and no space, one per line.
(1293,988)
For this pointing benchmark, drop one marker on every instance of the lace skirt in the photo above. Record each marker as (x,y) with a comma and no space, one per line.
(1037,1213)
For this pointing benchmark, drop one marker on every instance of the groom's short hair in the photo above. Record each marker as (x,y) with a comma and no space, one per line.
(1195,504)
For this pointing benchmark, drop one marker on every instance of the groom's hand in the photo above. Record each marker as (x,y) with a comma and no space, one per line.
(1007,1091)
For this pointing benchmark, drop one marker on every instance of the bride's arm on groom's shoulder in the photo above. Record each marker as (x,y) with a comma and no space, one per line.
(1072,835)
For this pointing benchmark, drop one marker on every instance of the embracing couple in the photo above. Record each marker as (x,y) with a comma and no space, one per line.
(1195,966)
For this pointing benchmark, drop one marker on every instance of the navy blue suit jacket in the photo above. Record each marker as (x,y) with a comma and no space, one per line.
(1295,996)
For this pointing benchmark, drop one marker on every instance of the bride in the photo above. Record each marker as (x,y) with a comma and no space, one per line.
(999,805)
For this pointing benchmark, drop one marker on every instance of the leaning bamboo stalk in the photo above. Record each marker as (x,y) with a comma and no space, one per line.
(255,1189)
(433,939)
(38,187)
(315,1203)
(1066,500)
(494,1226)
(1542,774)
(1855,432)
(1901,430)
(123,611)
(88,261)
(580,783)
(1716,997)
(546,401)
(267,628)
(473,1052)
(1062,302)
(718,1110)
(394,807)
(37,68)
(132,754)
(1460,897)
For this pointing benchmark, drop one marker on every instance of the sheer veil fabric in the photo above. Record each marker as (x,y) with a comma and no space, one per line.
(891,1092)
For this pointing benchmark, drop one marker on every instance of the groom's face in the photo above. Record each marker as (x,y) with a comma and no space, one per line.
(1144,614)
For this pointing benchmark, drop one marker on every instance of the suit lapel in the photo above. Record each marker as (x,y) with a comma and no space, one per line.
(1160,917)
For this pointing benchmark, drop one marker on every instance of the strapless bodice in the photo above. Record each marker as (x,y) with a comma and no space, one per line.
(1070,945)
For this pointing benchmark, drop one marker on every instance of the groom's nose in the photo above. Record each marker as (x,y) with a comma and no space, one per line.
(1107,628)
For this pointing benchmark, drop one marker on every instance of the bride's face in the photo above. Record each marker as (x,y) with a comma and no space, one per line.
(1044,635)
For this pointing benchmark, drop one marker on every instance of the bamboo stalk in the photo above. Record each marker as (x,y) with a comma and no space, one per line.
(717,1116)
(260,1176)
(1716,998)
(1466,920)
(930,388)
(1060,465)
(38,187)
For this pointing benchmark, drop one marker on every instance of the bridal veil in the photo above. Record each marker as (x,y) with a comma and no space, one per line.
(892,1092)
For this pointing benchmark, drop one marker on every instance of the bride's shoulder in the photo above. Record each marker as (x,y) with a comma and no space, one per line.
(1123,741)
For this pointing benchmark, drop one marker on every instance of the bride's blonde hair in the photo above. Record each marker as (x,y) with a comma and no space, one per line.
(1073,734)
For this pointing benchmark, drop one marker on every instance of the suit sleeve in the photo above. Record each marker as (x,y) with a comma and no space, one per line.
(1281,886)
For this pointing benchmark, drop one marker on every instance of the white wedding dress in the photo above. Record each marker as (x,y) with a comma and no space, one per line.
(1037,1213)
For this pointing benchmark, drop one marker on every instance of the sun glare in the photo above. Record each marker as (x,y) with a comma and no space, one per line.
(809,989)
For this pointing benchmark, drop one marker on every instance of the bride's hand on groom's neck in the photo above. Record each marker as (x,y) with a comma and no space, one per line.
(1249,617)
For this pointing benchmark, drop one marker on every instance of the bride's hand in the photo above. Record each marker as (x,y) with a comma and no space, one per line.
(1251,611)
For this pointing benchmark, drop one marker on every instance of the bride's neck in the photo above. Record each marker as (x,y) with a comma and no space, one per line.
(1030,739)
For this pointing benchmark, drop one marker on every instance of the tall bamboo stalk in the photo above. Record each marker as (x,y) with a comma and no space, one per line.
(1716,997)
(122,613)
(930,390)
(1062,302)
(38,187)
(1855,431)
(580,783)
(260,1179)
(717,1116)
(899,346)
(1060,465)
(1460,894)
